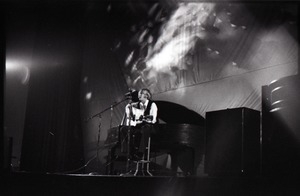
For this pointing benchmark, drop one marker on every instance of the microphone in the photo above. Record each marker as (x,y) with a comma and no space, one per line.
(132,94)
(129,93)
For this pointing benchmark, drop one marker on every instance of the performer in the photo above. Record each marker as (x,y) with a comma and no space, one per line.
(140,118)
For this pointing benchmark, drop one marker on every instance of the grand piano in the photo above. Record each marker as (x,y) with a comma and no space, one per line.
(180,134)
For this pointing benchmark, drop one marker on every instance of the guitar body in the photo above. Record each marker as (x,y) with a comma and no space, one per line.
(137,117)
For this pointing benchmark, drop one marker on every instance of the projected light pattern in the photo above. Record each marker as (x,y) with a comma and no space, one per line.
(198,42)
(168,47)
(179,35)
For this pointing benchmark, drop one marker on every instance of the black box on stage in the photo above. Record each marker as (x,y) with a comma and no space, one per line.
(232,142)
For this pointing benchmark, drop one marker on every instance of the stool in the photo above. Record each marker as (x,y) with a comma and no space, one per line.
(143,161)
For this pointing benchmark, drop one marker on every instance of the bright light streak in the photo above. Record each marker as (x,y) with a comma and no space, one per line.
(12,65)
(26,75)
(18,67)
(129,58)
(88,96)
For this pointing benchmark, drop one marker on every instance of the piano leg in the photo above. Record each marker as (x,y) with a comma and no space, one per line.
(184,158)
(110,161)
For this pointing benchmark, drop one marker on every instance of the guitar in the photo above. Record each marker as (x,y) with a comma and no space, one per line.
(138,117)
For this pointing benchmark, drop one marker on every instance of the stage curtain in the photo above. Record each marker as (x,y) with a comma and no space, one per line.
(52,140)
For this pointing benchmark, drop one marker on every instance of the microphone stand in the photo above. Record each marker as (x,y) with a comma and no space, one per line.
(98,141)
(99,126)
(128,137)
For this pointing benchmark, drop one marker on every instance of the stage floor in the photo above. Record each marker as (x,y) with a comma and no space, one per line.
(26,183)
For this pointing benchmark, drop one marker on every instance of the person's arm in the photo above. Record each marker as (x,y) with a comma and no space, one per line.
(127,110)
(153,112)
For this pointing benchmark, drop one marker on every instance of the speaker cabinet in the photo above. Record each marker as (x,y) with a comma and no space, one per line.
(232,142)
(281,127)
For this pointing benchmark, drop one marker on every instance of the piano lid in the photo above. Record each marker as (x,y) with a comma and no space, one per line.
(177,114)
